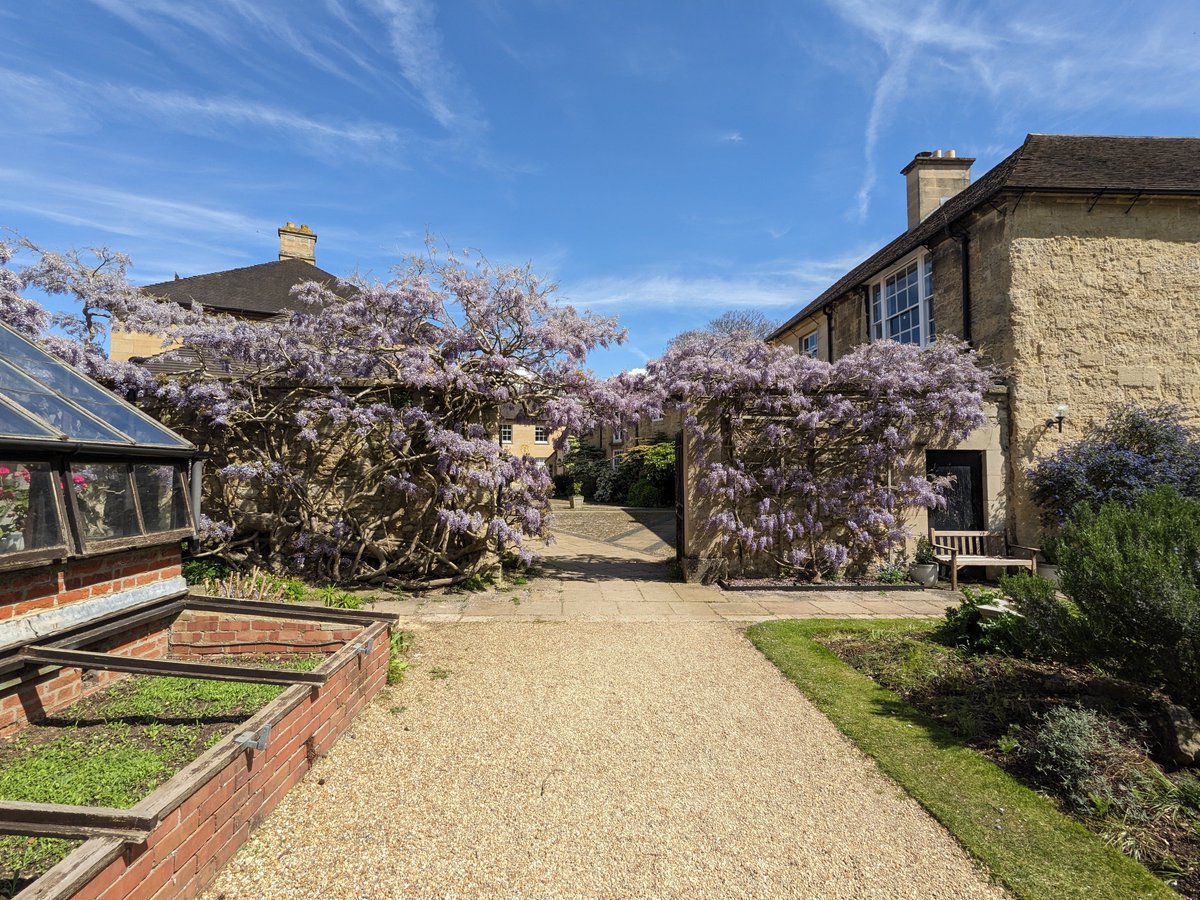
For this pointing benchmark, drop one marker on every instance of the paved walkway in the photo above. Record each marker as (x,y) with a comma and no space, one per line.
(599,580)
(596,759)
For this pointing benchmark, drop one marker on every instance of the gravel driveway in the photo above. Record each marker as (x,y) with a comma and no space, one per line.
(596,759)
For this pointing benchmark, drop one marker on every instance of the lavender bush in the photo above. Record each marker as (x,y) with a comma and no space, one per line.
(359,438)
(810,466)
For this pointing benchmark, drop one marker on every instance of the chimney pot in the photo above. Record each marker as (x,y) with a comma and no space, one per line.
(937,154)
(298,243)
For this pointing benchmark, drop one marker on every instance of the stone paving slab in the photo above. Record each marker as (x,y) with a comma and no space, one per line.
(591,580)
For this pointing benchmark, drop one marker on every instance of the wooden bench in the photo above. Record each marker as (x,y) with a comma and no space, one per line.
(978,548)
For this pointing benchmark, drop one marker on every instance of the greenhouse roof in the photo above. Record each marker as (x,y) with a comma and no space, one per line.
(46,404)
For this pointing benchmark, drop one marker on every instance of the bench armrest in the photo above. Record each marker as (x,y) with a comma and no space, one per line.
(944,549)
(1032,551)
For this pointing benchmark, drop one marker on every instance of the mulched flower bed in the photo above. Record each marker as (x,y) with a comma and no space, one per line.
(996,705)
(116,746)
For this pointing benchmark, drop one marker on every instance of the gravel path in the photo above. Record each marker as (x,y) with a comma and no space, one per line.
(599,760)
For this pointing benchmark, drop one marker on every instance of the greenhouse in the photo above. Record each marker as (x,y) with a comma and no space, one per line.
(95,511)
(81,471)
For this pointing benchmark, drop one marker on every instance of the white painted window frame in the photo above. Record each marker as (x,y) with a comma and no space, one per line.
(927,327)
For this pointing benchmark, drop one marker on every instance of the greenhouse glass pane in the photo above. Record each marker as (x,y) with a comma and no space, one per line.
(105,499)
(29,517)
(61,378)
(160,493)
(14,424)
(28,394)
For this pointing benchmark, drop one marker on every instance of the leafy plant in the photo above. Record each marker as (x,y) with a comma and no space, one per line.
(643,493)
(256,585)
(924,552)
(398,646)
(1134,573)
(893,572)
(1083,755)
(335,597)
(205,569)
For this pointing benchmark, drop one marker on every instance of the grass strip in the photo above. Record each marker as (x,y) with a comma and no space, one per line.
(1035,850)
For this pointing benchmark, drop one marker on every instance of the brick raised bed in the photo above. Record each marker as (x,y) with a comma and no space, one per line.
(205,813)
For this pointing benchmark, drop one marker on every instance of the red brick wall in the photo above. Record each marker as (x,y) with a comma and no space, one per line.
(35,698)
(45,587)
(194,841)
(202,633)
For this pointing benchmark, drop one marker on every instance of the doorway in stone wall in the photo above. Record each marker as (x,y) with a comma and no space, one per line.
(964,497)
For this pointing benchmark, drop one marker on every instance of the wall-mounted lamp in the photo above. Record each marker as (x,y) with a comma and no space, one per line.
(1060,413)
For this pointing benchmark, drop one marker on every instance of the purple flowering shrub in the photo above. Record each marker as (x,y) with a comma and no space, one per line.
(1131,453)
(357,438)
(810,466)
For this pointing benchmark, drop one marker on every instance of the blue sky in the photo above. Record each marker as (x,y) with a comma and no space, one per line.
(663,161)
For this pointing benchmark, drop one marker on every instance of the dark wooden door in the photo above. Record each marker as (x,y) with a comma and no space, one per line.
(964,497)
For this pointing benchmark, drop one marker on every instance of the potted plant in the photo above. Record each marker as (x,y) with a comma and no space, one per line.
(924,570)
(576,494)
(1047,566)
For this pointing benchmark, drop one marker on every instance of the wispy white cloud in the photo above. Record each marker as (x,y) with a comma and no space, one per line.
(416,44)
(731,137)
(1024,59)
(782,284)
(209,233)
(63,105)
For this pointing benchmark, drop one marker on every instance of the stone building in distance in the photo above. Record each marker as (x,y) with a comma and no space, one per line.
(1073,265)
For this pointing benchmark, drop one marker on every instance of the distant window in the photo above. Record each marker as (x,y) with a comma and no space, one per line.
(618,436)
(657,418)
(506,434)
(902,304)
(540,434)
(616,458)
(808,344)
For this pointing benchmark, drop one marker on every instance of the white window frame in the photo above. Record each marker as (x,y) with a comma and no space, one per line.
(541,434)
(810,344)
(919,279)
(616,458)
(618,436)
(506,434)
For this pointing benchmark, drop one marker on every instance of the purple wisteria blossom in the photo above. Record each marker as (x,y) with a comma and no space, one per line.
(357,437)
(809,467)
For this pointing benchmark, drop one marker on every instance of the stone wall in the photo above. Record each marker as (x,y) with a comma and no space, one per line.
(1104,307)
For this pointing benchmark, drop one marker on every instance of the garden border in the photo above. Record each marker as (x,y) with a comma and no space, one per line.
(204,813)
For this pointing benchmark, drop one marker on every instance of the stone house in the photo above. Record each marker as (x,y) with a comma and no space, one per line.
(259,292)
(1073,265)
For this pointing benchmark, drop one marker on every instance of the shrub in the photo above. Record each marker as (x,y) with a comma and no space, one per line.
(1087,758)
(1134,573)
(336,598)
(563,485)
(643,493)
(1134,451)
(1051,628)
(924,554)
(966,627)
(198,571)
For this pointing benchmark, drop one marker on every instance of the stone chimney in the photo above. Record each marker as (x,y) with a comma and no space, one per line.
(933,178)
(298,242)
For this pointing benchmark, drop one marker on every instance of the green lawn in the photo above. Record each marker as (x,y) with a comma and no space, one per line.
(1021,838)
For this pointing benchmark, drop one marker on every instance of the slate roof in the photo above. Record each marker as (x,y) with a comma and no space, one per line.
(1045,162)
(258,291)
